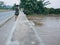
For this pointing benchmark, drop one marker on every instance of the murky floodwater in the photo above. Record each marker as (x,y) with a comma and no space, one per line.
(50,30)
(53,22)
(4,15)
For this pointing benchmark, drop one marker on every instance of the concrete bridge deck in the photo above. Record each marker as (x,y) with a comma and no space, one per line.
(24,33)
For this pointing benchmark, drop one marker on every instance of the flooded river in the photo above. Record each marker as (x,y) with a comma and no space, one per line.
(50,30)
(5,15)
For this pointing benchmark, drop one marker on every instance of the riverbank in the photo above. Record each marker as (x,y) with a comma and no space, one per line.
(4,10)
(36,18)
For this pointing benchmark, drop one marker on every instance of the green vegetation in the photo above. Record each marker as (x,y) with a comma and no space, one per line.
(1,4)
(54,11)
(13,7)
(37,7)
(4,7)
(31,6)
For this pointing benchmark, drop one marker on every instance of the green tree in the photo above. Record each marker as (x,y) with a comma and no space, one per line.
(13,7)
(1,4)
(35,6)
(57,11)
(51,11)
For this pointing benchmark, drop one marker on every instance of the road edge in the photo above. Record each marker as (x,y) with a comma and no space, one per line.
(4,21)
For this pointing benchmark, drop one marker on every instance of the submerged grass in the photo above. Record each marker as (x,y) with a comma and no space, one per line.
(35,19)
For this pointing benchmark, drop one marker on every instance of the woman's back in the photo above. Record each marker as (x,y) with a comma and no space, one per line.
(16,11)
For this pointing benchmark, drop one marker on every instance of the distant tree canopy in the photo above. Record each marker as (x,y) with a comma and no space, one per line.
(1,4)
(54,11)
(38,7)
(13,7)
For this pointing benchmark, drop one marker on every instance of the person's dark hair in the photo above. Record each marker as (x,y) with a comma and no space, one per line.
(16,5)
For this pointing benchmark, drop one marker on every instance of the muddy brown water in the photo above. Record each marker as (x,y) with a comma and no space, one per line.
(50,30)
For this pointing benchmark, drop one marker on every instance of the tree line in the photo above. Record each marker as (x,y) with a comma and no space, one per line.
(4,6)
(37,7)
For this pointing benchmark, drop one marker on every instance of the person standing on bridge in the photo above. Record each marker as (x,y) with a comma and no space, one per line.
(16,11)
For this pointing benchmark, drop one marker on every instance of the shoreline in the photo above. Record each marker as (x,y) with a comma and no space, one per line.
(36,18)
(5,10)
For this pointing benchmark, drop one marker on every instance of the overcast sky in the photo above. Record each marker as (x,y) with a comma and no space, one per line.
(54,3)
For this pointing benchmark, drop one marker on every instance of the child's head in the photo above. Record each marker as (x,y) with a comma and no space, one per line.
(17,5)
